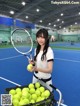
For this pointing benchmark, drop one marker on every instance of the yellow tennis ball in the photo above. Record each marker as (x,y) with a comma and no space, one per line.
(29,67)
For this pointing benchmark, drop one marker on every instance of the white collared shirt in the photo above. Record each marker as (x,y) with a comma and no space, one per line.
(44,64)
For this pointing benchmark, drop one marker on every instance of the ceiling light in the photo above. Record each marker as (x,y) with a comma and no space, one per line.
(79,13)
(37,10)
(41,21)
(49,23)
(75,22)
(27,17)
(11,12)
(23,3)
(62,14)
(62,21)
(54,25)
(58,19)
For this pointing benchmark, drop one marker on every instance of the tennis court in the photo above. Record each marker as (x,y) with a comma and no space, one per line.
(65,72)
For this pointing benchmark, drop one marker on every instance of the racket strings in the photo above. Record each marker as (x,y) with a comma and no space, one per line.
(22,41)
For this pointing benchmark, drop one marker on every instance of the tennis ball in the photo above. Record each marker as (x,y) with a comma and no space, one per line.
(31,85)
(37,84)
(12,92)
(26,101)
(42,98)
(21,103)
(34,96)
(42,89)
(37,92)
(32,90)
(25,94)
(16,96)
(25,89)
(42,94)
(29,67)
(32,101)
(38,99)
(29,96)
(47,93)
(19,93)
(18,90)
(15,102)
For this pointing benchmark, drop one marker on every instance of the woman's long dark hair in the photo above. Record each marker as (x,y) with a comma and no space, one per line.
(46,37)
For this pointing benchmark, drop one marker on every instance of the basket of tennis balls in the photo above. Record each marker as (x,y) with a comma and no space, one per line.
(31,95)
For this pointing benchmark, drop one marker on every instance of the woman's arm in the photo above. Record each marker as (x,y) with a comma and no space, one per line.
(47,70)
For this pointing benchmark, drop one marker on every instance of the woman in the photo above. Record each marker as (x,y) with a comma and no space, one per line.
(43,58)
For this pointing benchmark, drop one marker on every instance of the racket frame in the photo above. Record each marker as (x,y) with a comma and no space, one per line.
(16,48)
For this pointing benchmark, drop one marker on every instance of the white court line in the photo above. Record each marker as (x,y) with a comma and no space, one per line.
(73,51)
(68,60)
(10,81)
(11,57)
(55,58)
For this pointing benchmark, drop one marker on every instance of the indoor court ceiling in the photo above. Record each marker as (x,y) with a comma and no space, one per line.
(47,14)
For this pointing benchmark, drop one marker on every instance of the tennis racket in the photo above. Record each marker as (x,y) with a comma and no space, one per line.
(22,42)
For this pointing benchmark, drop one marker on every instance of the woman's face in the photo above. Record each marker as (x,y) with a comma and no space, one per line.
(41,40)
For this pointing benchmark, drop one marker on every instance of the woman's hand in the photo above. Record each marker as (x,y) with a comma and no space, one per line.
(32,62)
(34,69)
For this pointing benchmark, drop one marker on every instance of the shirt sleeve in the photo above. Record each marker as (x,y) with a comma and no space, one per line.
(50,55)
